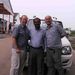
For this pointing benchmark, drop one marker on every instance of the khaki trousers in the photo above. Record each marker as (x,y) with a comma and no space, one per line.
(17,62)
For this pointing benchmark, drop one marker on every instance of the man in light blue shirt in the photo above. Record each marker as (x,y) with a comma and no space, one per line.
(36,38)
(36,54)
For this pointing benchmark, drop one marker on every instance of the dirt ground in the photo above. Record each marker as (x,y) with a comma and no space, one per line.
(5,54)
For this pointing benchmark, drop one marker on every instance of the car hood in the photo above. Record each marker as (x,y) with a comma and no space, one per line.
(65,42)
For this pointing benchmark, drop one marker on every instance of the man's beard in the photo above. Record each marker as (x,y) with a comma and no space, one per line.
(37,27)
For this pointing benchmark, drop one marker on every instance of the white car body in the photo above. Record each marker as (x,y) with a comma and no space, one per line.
(66,59)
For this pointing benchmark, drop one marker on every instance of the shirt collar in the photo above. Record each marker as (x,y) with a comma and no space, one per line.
(50,26)
(23,26)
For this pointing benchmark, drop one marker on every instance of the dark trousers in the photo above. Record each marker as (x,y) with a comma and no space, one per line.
(54,61)
(36,61)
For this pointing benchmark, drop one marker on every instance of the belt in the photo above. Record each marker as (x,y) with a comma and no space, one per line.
(50,48)
(36,47)
(53,48)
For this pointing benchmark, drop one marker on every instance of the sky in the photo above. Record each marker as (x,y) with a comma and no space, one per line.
(64,10)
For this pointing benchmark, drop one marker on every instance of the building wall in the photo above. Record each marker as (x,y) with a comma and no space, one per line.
(17,20)
(6,17)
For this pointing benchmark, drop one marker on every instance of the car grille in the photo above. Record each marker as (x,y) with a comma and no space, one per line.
(65,61)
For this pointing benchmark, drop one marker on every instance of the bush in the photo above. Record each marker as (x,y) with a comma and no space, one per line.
(72,33)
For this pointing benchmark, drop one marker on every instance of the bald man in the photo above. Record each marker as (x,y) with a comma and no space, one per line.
(20,37)
(54,33)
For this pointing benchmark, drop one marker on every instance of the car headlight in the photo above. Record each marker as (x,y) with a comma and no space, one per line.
(66,50)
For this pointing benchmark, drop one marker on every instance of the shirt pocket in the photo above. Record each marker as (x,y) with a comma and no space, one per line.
(21,32)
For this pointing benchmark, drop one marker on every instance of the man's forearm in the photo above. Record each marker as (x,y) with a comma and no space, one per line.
(14,42)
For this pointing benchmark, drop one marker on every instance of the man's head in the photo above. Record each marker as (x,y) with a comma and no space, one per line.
(23,19)
(48,20)
(37,23)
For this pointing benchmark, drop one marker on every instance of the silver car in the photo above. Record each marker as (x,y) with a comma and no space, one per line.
(67,53)
(66,56)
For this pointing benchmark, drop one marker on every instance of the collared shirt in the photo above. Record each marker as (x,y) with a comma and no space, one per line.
(37,37)
(53,36)
(21,34)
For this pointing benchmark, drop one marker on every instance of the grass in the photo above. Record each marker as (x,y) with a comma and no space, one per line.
(73,40)
(72,33)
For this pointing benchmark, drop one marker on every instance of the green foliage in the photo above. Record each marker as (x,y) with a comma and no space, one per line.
(72,33)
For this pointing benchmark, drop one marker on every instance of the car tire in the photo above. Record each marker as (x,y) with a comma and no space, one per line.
(65,70)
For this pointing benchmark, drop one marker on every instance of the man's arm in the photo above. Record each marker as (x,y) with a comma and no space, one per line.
(61,31)
(15,44)
(14,39)
(44,40)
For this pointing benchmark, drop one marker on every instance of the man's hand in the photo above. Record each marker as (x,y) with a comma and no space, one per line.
(18,50)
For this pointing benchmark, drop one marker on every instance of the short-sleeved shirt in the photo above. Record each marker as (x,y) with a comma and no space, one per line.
(21,34)
(37,38)
(53,36)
